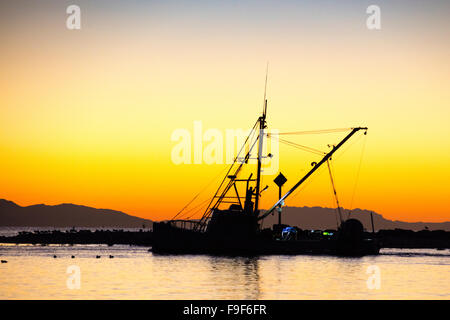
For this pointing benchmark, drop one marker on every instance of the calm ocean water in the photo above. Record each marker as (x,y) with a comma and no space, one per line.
(135,273)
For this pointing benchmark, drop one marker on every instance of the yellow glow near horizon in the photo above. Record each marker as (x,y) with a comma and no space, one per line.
(87,117)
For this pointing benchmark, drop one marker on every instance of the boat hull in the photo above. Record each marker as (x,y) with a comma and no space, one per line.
(168,239)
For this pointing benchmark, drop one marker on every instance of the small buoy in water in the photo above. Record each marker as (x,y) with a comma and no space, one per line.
(98,257)
(111,257)
(4,261)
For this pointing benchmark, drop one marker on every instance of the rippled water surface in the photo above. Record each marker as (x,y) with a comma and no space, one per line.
(32,272)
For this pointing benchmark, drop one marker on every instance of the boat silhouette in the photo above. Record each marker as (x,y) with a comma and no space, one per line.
(236,230)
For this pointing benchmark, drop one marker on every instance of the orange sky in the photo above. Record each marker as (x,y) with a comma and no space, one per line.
(86,116)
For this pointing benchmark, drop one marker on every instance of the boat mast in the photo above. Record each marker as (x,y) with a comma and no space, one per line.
(262,126)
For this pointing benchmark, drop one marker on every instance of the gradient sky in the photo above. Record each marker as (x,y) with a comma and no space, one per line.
(86,116)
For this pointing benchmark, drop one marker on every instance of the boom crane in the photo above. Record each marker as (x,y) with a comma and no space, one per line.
(316,166)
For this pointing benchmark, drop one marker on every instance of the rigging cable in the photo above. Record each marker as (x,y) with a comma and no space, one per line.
(357,173)
(334,191)
(298,146)
(314,131)
(198,207)
(201,191)
(305,184)
(186,206)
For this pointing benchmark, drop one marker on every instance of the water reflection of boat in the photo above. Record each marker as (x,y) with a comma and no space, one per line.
(236,230)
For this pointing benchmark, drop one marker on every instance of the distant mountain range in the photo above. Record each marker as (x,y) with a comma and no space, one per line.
(71,215)
(65,215)
(325,218)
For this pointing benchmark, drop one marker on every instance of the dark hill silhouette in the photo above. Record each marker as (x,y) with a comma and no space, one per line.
(325,218)
(70,215)
(65,215)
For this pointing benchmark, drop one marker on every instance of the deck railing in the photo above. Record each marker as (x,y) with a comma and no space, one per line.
(184,224)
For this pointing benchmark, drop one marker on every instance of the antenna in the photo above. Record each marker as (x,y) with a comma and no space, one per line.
(265,90)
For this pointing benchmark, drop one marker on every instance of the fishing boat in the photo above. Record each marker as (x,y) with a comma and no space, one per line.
(234,227)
